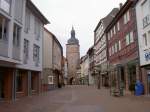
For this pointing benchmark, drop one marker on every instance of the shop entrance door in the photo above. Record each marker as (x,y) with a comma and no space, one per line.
(149,84)
(1,86)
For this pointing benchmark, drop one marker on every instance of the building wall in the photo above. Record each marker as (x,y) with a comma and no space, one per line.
(57,56)
(12,56)
(73,58)
(126,52)
(47,50)
(143,25)
(143,12)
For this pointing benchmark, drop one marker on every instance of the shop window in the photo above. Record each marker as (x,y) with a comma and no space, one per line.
(132,74)
(33,82)
(19,82)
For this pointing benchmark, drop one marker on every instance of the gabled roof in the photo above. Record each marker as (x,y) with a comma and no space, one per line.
(55,38)
(124,8)
(37,12)
(106,20)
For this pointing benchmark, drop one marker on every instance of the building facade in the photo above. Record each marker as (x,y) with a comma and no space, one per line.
(20,48)
(52,61)
(92,74)
(100,43)
(123,48)
(84,70)
(65,70)
(73,56)
(143,25)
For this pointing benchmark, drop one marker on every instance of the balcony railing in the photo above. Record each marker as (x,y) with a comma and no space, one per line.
(5,5)
(4,48)
(16,52)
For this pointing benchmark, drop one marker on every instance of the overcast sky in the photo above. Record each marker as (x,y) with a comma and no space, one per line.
(84,15)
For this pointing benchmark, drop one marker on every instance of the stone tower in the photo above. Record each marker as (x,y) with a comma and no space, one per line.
(73,56)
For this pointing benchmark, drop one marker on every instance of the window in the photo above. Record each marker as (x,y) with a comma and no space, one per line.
(3,28)
(16,35)
(36,53)
(119,45)
(111,33)
(110,51)
(19,80)
(26,50)
(145,39)
(37,28)
(5,5)
(27,21)
(129,38)
(18,10)
(114,30)
(113,49)
(118,26)
(126,17)
(50,80)
(145,13)
(116,47)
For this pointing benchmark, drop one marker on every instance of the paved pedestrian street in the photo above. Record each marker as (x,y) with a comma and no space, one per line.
(77,99)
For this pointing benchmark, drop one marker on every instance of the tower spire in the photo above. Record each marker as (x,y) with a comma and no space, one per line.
(72,32)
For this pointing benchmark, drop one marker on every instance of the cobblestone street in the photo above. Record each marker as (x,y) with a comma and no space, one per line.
(77,99)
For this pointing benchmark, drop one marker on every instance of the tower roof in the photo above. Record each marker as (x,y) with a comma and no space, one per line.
(73,39)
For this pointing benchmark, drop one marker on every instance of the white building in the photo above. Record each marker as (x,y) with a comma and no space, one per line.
(85,69)
(21,34)
(143,25)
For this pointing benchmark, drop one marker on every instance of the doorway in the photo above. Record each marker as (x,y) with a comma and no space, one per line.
(149,83)
(1,86)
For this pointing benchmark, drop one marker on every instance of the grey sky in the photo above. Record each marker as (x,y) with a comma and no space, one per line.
(84,15)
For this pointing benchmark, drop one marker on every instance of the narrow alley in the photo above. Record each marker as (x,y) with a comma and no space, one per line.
(78,99)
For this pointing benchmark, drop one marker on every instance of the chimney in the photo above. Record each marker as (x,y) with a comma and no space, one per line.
(120,5)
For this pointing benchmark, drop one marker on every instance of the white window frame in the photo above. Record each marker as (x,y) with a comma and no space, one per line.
(131,37)
(4,35)
(114,29)
(127,17)
(145,40)
(111,33)
(27,21)
(26,48)
(119,45)
(127,39)
(16,35)
(52,79)
(118,26)
(36,53)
